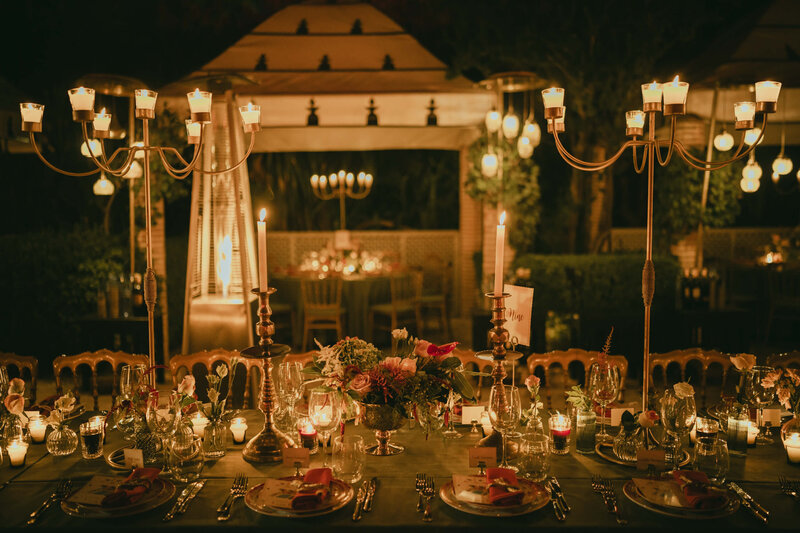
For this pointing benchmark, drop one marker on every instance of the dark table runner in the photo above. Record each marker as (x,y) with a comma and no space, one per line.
(395,500)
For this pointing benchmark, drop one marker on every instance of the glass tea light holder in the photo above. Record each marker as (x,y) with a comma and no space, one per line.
(791,443)
(37,427)
(738,428)
(308,435)
(199,423)
(238,429)
(585,430)
(560,427)
(17,449)
(100,422)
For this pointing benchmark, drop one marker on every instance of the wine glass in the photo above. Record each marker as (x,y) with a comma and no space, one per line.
(450,432)
(761,397)
(324,410)
(504,412)
(604,381)
(162,415)
(678,415)
(711,457)
(290,385)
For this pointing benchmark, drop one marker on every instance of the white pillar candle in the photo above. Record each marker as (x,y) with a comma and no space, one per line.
(767,91)
(792,444)
(651,92)
(675,92)
(251,114)
(145,99)
(498,255)
(752,433)
(31,112)
(81,99)
(199,423)
(262,251)
(634,119)
(193,128)
(553,97)
(17,449)
(744,111)
(102,121)
(37,428)
(199,101)
(238,428)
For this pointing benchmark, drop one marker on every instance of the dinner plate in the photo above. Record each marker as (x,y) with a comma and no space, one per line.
(633,493)
(341,494)
(160,492)
(448,496)
(606,451)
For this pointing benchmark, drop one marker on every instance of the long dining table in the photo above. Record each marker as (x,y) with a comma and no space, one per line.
(23,489)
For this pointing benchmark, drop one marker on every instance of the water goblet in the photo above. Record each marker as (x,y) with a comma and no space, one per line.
(162,416)
(678,415)
(604,382)
(324,410)
(504,412)
(711,457)
(760,396)
(348,457)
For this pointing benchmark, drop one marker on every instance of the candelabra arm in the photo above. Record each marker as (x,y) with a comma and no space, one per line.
(716,165)
(105,168)
(636,167)
(184,172)
(55,168)
(237,165)
(126,165)
(671,144)
(590,166)
(359,195)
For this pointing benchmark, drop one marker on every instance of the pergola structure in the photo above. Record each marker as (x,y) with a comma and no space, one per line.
(331,77)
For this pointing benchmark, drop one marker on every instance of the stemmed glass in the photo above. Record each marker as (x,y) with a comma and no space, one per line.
(677,416)
(290,386)
(162,415)
(504,413)
(761,397)
(450,432)
(324,410)
(130,382)
(603,388)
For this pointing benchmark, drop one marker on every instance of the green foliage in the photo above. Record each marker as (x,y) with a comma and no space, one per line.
(678,194)
(519,191)
(579,399)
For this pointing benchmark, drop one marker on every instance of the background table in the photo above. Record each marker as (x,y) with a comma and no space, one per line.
(395,500)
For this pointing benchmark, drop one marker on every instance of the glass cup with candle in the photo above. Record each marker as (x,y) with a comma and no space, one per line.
(560,428)
(17,449)
(238,429)
(349,456)
(91,440)
(324,410)
(199,423)
(308,435)
(37,427)
(100,422)
(706,428)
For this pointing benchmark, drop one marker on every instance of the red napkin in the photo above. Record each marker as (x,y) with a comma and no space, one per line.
(135,485)
(698,496)
(498,494)
(316,489)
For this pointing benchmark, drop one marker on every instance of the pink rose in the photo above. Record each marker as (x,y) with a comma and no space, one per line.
(187,385)
(16,386)
(360,384)
(421,349)
(743,361)
(408,365)
(15,404)
(647,419)
(532,381)
(392,363)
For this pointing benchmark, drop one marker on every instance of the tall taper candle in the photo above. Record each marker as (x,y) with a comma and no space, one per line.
(262,251)
(498,254)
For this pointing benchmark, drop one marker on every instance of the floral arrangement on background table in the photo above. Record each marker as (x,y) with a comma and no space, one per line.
(12,412)
(329,261)
(787,388)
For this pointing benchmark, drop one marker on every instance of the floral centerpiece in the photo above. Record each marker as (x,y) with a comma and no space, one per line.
(530,417)
(787,387)
(12,412)
(62,440)
(216,431)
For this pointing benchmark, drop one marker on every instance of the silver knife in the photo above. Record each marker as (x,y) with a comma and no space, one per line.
(197,486)
(560,516)
(184,495)
(751,505)
(373,485)
(560,494)
(362,493)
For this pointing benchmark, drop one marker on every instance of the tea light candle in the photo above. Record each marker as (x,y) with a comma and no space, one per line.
(553,97)
(651,93)
(675,92)
(560,426)
(238,428)
(199,423)
(37,428)
(634,119)
(81,99)
(31,112)
(102,121)
(145,99)
(199,101)
(99,421)
(251,114)
(17,449)
(752,433)
(744,111)
(193,129)
(767,91)
(792,445)
(308,435)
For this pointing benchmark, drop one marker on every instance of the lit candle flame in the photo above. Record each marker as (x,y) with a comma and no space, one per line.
(81,90)
(503,218)
(653,86)
(103,112)
(249,106)
(196,93)
(675,81)
(262,215)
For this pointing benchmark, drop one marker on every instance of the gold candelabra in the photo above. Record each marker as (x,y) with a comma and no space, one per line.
(341,185)
(674,95)
(82,102)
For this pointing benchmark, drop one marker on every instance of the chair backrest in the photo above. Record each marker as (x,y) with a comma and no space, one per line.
(472,362)
(564,358)
(321,294)
(305,358)
(785,360)
(92,360)
(703,359)
(180,365)
(435,275)
(406,289)
(22,362)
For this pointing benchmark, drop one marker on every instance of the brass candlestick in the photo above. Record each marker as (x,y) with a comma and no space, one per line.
(498,336)
(267,446)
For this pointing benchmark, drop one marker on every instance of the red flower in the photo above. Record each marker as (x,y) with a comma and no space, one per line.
(441,351)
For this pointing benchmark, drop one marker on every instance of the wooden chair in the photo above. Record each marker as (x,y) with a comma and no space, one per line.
(92,360)
(472,362)
(322,306)
(183,364)
(785,360)
(22,362)
(305,358)
(564,359)
(436,290)
(683,359)
(405,306)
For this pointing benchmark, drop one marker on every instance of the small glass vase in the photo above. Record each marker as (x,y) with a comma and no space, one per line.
(627,443)
(534,425)
(585,430)
(215,440)
(62,441)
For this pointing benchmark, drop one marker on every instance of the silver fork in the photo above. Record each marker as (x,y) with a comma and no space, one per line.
(597,487)
(238,490)
(613,507)
(788,488)
(429,491)
(419,484)
(62,491)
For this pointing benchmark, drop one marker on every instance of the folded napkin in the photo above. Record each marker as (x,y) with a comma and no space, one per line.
(314,490)
(503,487)
(135,485)
(697,490)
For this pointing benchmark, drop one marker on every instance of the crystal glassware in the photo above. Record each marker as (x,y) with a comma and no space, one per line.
(604,382)
(163,415)
(711,457)
(450,432)
(91,440)
(761,397)
(534,461)
(678,415)
(324,410)
(348,457)
(215,439)
(185,458)
(560,428)
(504,412)
(290,388)
(62,441)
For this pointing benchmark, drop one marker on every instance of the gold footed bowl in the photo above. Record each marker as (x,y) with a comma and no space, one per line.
(383,419)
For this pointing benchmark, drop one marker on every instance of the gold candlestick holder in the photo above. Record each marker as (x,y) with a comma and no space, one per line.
(267,446)
(498,336)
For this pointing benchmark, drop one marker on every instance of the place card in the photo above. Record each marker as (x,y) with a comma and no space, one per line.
(771,417)
(646,458)
(95,490)
(133,458)
(519,310)
(616,414)
(470,413)
(487,455)
(297,455)
(278,492)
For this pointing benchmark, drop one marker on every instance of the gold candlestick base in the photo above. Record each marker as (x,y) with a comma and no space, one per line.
(267,446)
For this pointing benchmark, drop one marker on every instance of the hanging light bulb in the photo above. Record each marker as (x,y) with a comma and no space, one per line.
(798,175)
(748,185)
(752,135)
(752,170)
(775,177)
(135,171)
(94,145)
(532,131)
(723,141)
(489,165)
(103,187)
(782,165)
(510,125)
(524,147)
(493,121)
